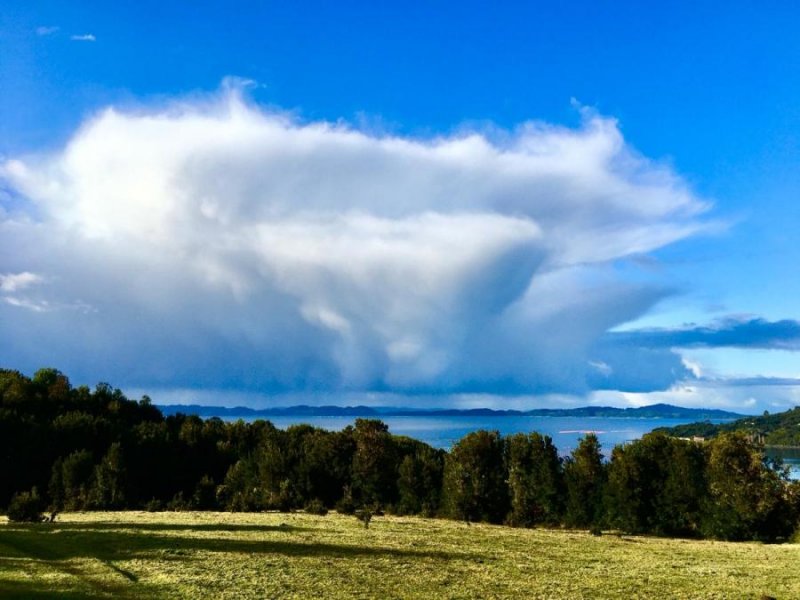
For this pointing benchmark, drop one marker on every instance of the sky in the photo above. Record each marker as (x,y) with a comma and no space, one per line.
(417,204)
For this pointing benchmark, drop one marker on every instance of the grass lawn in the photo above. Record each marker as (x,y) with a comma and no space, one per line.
(219,555)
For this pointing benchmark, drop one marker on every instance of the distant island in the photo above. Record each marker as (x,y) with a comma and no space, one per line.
(655,411)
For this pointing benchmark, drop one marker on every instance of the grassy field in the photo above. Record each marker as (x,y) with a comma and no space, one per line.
(223,555)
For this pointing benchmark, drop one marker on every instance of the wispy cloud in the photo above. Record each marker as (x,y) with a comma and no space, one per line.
(47,30)
(85,37)
(35,306)
(731,332)
(224,246)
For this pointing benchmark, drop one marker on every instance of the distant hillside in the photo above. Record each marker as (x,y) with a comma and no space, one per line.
(656,411)
(779,429)
(288,411)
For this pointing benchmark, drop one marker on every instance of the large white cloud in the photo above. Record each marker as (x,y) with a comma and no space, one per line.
(216,244)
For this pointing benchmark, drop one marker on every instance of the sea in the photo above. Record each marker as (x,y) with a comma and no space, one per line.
(444,431)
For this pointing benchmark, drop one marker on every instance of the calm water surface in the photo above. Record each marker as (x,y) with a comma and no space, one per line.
(443,432)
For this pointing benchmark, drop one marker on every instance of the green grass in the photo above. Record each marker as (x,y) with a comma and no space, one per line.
(224,555)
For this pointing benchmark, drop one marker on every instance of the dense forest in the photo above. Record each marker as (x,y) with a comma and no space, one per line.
(66,448)
(779,429)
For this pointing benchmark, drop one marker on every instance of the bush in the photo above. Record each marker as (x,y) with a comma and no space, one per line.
(26,507)
(316,507)
(205,494)
(284,499)
(178,503)
(365,516)
(346,505)
(154,505)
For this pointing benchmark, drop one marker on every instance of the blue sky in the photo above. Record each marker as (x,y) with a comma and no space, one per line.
(702,99)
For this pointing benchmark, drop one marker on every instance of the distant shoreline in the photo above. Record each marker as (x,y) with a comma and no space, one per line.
(656,411)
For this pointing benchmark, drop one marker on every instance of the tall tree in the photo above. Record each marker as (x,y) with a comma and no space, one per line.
(585,478)
(420,481)
(475,487)
(747,499)
(110,483)
(374,463)
(535,480)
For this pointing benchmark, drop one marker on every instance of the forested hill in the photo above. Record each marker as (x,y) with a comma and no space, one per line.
(655,411)
(779,429)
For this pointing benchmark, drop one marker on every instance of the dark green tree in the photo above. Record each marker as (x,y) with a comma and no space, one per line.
(240,492)
(535,480)
(747,499)
(324,466)
(656,485)
(585,477)
(374,463)
(420,481)
(76,477)
(110,483)
(475,487)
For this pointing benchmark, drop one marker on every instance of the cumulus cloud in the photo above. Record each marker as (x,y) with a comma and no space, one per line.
(84,37)
(215,244)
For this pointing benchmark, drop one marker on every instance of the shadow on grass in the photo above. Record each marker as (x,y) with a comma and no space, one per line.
(107,525)
(56,547)
(35,591)
(21,558)
(108,542)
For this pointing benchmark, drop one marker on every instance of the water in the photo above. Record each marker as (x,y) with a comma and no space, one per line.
(790,458)
(444,431)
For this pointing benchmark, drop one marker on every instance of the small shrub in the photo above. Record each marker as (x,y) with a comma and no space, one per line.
(365,516)
(205,494)
(316,507)
(178,503)
(154,505)
(284,500)
(427,511)
(26,507)
(346,505)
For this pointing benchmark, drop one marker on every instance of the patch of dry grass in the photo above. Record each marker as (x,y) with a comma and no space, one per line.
(225,555)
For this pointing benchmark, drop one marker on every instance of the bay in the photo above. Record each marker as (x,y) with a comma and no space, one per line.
(444,431)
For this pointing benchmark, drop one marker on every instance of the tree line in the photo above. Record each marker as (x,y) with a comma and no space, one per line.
(72,448)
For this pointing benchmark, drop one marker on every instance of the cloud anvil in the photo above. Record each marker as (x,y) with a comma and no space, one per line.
(213,243)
